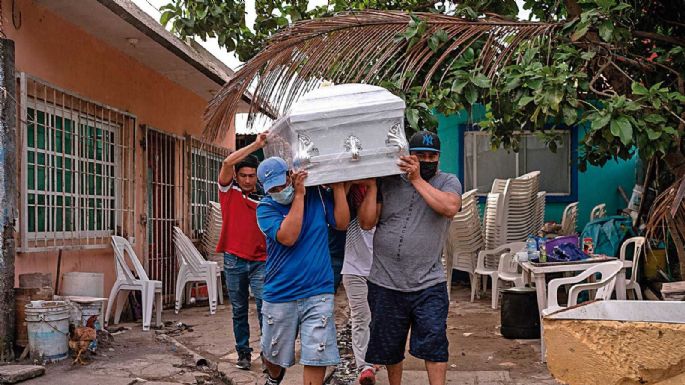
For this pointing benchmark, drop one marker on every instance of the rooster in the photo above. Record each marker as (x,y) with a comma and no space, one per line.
(80,338)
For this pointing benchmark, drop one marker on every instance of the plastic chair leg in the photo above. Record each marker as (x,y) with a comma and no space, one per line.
(211,288)
(638,290)
(121,301)
(180,286)
(495,292)
(148,295)
(112,298)
(473,281)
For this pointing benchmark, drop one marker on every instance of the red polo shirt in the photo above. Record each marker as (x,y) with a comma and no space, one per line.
(240,234)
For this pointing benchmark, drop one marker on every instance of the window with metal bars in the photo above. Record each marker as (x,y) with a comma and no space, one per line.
(77,169)
(205,166)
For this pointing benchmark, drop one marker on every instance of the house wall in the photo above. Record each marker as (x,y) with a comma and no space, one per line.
(52,49)
(596,185)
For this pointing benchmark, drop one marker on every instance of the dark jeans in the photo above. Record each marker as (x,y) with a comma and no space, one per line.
(240,275)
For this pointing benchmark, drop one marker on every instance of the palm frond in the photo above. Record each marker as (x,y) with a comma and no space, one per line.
(361,47)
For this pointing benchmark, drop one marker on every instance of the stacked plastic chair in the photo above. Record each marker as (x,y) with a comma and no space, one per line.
(210,236)
(521,208)
(493,220)
(192,267)
(464,240)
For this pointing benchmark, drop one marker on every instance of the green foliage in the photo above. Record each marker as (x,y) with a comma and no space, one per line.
(599,72)
(225,20)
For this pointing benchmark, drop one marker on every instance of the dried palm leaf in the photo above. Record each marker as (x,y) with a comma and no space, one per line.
(361,47)
(667,217)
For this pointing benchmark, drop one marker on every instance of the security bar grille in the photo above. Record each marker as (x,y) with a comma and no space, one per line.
(204,173)
(77,169)
(166,206)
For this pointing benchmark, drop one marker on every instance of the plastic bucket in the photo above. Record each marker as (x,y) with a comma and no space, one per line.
(48,330)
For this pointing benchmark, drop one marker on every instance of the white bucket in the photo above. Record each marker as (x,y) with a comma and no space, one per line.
(82,284)
(81,311)
(48,330)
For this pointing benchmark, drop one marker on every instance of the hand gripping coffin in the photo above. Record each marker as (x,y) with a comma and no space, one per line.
(341,133)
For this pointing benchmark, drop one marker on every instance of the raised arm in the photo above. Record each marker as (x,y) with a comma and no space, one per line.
(341,210)
(370,209)
(227,166)
(292,223)
(444,203)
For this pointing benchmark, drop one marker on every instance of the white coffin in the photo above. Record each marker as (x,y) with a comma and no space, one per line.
(341,133)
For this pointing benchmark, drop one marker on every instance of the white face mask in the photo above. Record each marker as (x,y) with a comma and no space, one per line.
(285,196)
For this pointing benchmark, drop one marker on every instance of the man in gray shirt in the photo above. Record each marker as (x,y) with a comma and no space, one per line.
(407,286)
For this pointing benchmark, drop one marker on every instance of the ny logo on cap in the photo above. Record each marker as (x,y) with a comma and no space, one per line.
(427,140)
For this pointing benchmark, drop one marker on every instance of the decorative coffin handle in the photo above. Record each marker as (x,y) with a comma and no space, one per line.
(353,145)
(394,138)
(305,151)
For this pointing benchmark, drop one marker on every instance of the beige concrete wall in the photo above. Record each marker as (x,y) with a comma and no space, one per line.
(615,353)
(56,51)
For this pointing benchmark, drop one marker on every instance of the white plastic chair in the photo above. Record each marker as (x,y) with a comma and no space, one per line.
(604,287)
(508,269)
(211,234)
(464,240)
(151,291)
(488,264)
(194,268)
(599,211)
(631,283)
(568,220)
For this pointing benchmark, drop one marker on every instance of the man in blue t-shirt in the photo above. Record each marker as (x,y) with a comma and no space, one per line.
(298,287)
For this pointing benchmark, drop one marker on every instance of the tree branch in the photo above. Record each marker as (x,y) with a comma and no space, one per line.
(660,37)
(597,75)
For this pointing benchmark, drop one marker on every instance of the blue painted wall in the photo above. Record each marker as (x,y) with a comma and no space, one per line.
(596,185)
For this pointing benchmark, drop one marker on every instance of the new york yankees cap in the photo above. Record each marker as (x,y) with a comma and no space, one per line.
(424,141)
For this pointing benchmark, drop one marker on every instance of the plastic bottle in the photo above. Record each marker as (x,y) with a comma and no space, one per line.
(531,247)
(543,250)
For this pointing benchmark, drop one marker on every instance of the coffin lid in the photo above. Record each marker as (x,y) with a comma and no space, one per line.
(345,99)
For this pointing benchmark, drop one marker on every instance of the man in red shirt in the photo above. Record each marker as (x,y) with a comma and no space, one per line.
(241,241)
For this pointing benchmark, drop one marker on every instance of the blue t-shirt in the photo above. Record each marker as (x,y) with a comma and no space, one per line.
(303,269)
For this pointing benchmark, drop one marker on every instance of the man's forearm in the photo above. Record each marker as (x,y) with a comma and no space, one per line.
(368,210)
(226,173)
(341,210)
(444,203)
(292,223)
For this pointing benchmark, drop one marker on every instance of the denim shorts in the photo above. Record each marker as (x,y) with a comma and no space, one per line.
(394,313)
(313,318)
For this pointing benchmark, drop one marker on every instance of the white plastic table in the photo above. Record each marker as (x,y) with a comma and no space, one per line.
(539,272)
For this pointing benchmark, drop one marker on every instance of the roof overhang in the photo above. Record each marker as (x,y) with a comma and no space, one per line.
(127,28)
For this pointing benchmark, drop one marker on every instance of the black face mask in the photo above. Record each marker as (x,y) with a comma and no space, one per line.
(428,169)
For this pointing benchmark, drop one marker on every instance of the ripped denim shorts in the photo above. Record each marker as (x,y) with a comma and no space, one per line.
(313,318)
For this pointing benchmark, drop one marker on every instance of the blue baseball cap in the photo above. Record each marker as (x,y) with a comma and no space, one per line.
(271,172)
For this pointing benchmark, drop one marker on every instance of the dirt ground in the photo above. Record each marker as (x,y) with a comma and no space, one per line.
(477,345)
(478,353)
